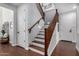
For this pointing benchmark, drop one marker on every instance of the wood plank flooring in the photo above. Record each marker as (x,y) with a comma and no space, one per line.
(62,49)
(8,50)
(65,48)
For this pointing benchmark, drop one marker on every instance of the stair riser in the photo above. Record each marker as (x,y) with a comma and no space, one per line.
(40,40)
(36,44)
(41,36)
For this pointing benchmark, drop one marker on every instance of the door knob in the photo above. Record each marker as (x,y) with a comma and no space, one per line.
(17,32)
(70,30)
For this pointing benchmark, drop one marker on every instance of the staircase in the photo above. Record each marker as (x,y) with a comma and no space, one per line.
(38,45)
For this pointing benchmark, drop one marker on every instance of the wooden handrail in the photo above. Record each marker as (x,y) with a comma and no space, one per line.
(40,10)
(39,7)
(34,25)
(49,31)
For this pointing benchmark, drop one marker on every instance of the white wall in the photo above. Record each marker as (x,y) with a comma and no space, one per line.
(77,18)
(49,15)
(6,14)
(0,18)
(77,41)
(67,22)
(13,32)
(34,14)
(64,7)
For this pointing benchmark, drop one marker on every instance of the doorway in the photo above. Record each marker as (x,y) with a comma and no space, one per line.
(6,22)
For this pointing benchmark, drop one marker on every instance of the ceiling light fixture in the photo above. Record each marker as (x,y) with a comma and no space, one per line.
(74,7)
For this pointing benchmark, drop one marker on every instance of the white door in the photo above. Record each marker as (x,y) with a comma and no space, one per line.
(21,28)
(68,26)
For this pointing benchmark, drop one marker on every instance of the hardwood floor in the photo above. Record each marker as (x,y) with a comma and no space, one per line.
(62,49)
(8,50)
(65,48)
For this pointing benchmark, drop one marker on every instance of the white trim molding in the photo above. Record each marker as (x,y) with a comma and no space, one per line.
(77,48)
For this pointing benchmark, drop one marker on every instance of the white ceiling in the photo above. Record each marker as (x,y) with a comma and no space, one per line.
(14,4)
(64,7)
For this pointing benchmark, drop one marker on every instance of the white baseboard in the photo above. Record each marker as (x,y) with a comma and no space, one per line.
(77,48)
(74,41)
(13,44)
(26,48)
